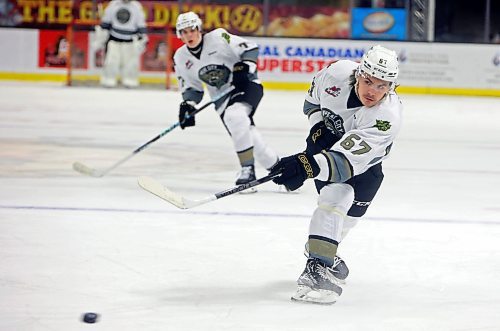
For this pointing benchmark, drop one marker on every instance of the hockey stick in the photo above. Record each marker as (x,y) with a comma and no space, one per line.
(154,187)
(85,170)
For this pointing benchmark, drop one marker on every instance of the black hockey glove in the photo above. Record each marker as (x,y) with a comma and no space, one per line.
(186,109)
(320,138)
(241,75)
(295,169)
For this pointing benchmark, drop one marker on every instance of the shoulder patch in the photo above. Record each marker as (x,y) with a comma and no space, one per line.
(382,125)
(334,91)
(226,37)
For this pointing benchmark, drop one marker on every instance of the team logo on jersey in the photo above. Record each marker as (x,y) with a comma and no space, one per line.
(382,125)
(189,64)
(215,74)
(123,15)
(226,37)
(333,122)
(334,91)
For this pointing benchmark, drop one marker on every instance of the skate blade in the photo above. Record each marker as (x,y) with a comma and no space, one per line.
(305,294)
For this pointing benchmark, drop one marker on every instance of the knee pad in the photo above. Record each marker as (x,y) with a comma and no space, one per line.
(337,196)
(238,124)
(328,219)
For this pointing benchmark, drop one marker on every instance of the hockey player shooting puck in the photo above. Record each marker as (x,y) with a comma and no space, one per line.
(90,317)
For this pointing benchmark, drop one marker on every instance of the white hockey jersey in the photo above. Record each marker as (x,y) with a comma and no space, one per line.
(221,50)
(368,132)
(124,19)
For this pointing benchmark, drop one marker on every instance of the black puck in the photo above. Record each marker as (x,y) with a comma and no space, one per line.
(90,317)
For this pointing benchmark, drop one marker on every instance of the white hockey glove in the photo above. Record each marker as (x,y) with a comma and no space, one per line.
(101,37)
(140,43)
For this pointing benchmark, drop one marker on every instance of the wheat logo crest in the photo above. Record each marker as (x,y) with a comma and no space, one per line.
(382,125)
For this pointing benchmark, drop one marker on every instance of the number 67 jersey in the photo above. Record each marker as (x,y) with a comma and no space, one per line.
(367,132)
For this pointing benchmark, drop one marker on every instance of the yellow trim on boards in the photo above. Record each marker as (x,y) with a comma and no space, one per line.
(290,86)
(32,77)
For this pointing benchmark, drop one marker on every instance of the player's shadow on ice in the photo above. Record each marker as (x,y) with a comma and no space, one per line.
(220,294)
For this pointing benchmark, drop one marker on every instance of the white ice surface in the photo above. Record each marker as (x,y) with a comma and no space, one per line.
(426,256)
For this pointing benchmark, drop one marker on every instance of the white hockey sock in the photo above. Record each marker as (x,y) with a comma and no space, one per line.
(264,154)
(349,223)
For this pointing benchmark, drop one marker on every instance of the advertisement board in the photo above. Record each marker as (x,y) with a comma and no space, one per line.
(378,23)
(282,59)
(242,19)
(53,49)
(290,63)
(423,66)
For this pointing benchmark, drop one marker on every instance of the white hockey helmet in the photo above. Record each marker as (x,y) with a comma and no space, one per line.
(380,63)
(187,20)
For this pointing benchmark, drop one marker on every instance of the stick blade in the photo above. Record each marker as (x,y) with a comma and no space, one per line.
(85,170)
(154,187)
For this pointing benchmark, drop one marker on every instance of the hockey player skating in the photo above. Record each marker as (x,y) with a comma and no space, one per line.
(220,59)
(355,115)
(123,27)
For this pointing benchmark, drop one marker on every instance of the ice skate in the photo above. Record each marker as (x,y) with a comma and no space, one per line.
(246,175)
(316,284)
(339,268)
